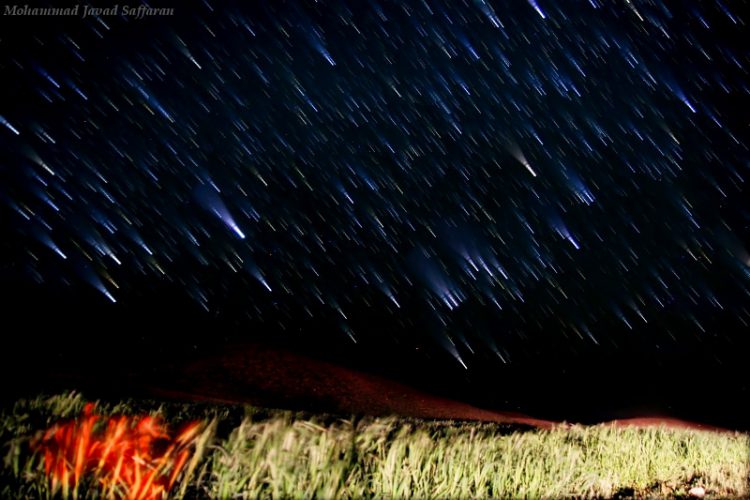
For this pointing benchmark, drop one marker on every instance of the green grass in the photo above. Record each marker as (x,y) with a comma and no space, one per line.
(262,453)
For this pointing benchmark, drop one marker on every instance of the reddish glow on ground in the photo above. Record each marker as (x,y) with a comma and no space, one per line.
(130,457)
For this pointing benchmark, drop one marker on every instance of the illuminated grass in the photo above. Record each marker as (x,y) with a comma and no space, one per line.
(281,454)
(123,456)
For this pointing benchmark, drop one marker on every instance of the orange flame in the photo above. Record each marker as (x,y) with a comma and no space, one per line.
(129,457)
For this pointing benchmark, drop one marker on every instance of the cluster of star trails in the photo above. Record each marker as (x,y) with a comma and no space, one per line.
(566,163)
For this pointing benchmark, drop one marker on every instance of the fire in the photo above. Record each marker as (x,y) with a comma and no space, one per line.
(128,457)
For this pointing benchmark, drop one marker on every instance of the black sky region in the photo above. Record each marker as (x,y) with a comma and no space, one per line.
(519,203)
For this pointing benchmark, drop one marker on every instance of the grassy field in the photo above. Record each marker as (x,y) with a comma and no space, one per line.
(236,451)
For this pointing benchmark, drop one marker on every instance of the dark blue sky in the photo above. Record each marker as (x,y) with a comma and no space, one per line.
(492,182)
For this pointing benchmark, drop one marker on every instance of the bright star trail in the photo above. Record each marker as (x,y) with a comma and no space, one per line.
(574,173)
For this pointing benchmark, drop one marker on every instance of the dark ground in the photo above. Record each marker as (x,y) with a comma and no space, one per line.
(55,340)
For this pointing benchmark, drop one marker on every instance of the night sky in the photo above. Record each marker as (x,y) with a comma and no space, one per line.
(465,187)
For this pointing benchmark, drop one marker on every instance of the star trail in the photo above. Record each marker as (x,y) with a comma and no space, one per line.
(573,172)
